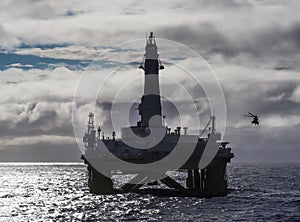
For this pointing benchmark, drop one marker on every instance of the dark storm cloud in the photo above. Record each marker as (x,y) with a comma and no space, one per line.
(36,118)
(277,40)
(274,41)
(106,105)
(169,110)
(203,36)
(267,99)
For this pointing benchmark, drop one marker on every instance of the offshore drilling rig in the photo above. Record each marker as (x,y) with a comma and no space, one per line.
(151,142)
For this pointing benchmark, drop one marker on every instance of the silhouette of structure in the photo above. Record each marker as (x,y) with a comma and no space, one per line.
(207,182)
(255,121)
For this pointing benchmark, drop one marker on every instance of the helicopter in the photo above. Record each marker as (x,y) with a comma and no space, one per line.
(255,121)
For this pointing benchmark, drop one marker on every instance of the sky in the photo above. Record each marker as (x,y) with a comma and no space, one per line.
(47,47)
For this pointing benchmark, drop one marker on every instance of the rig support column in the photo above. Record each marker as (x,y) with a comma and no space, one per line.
(189,180)
(215,183)
(99,183)
(196,179)
(193,180)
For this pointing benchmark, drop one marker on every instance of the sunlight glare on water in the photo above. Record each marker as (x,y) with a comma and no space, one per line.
(59,192)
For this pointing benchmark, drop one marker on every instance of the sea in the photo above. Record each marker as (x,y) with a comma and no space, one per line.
(59,192)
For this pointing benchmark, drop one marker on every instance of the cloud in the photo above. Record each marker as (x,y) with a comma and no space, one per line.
(37,85)
(238,31)
(296,95)
(51,93)
(274,44)
(32,140)
(102,23)
(43,118)
(253,47)
(66,52)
